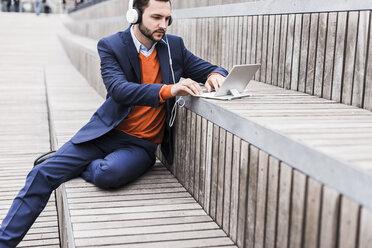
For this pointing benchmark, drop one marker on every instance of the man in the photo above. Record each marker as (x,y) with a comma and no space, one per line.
(118,144)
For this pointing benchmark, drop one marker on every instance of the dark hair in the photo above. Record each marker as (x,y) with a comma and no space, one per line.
(142,4)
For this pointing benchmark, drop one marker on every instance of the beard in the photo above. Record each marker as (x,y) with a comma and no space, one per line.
(150,34)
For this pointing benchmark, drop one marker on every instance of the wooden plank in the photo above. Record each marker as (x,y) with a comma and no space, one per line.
(208,168)
(262,185)
(251,31)
(304,51)
(252,196)
(309,88)
(265,27)
(350,49)
(227,184)
(272,203)
(284,205)
(203,155)
(246,30)
(349,222)
(329,55)
(276,51)
(197,156)
(181,164)
(254,42)
(329,218)
(320,54)
(365,228)
(234,200)
(258,51)
(296,53)
(192,153)
(367,104)
(243,193)
(289,51)
(270,48)
(339,56)
(282,50)
(297,209)
(240,47)
(360,60)
(214,172)
(221,177)
(186,163)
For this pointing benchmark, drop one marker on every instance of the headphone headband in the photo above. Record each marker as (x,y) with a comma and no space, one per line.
(134,15)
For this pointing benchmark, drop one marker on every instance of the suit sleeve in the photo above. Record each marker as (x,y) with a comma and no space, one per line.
(196,68)
(117,85)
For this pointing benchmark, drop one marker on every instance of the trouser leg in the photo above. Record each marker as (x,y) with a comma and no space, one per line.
(68,162)
(119,167)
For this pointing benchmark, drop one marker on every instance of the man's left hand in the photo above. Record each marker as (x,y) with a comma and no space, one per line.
(214,81)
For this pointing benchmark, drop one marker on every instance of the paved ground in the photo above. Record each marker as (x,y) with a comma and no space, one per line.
(28,47)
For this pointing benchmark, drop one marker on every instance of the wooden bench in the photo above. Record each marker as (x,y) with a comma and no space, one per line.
(154,211)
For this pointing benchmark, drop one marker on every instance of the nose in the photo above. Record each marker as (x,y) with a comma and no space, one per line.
(163,23)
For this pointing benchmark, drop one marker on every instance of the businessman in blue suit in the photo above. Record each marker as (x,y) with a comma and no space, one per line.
(142,69)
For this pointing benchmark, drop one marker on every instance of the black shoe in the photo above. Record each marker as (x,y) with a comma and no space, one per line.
(43,157)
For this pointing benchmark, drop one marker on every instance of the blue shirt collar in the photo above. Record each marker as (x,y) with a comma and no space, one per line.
(139,46)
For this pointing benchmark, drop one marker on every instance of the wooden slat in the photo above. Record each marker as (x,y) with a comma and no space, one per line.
(197,157)
(252,196)
(360,59)
(258,51)
(304,52)
(203,157)
(208,167)
(234,200)
(282,50)
(368,87)
(227,184)
(246,30)
(320,55)
(192,153)
(296,53)
(221,177)
(265,27)
(254,42)
(329,55)
(262,185)
(270,48)
(289,51)
(249,39)
(244,165)
(314,33)
(272,203)
(297,209)
(284,203)
(339,56)
(187,139)
(276,50)
(365,228)
(214,172)
(349,222)
(350,49)
(329,218)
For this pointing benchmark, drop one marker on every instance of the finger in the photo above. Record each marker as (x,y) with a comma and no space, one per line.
(193,88)
(208,85)
(188,91)
(216,86)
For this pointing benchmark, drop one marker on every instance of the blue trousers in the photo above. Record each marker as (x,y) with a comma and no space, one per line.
(109,162)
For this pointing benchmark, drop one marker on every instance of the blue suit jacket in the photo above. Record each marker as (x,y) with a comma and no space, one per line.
(121,75)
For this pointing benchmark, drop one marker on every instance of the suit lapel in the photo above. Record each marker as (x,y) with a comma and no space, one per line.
(163,56)
(131,50)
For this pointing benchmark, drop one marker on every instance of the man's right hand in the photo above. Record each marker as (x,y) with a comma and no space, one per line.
(186,87)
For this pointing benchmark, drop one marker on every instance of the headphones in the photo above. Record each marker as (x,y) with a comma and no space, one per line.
(134,15)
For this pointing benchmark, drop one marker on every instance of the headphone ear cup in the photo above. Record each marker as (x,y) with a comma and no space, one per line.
(132,16)
(170,21)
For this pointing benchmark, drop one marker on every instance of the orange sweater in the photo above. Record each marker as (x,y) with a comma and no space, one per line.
(148,122)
